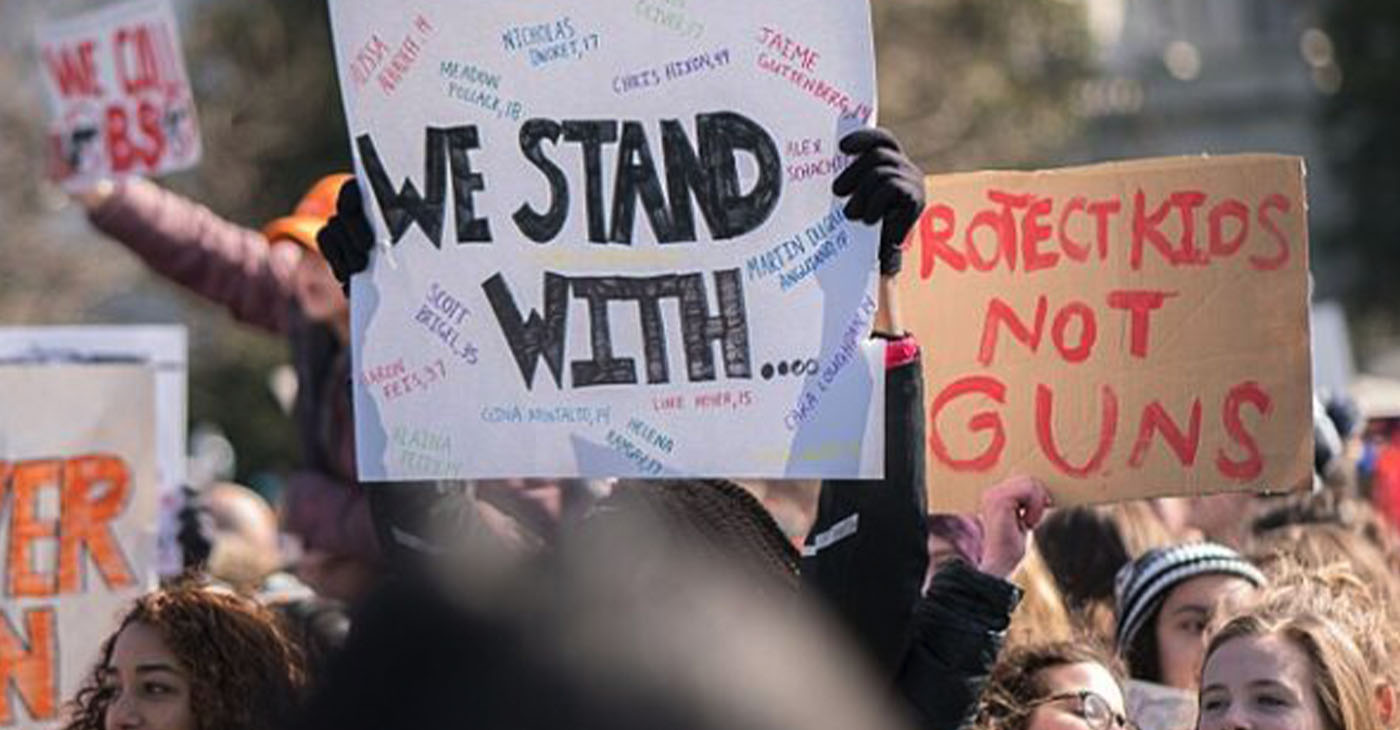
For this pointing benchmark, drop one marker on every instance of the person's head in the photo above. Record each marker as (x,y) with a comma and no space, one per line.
(340,553)
(1354,602)
(317,291)
(1334,511)
(1086,546)
(1225,517)
(1165,601)
(714,517)
(188,658)
(1320,546)
(1276,667)
(243,527)
(627,626)
(1056,686)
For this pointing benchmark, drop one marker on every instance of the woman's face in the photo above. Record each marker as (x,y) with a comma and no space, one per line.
(1181,624)
(150,688)
(317,291)
(1259,683)
(1066,681)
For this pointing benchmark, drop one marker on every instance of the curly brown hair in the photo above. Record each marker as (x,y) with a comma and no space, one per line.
(244,673)
(1016,682)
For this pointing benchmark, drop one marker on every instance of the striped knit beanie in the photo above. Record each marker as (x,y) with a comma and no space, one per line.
(1142,585)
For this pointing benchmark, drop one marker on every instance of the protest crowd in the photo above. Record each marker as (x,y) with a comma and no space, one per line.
(684,602)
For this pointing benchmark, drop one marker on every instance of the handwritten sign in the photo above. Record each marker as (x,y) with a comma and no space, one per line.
(608,245)
(78,498)
(119,98)
(1120,331)
(162,347)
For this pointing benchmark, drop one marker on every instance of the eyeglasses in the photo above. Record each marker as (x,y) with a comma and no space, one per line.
(1092,707)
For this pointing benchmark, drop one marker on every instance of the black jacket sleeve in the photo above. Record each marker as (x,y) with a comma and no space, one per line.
(866,553)
(957,632)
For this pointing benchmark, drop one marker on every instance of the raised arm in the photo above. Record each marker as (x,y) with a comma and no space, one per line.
(866,554)
(187,243)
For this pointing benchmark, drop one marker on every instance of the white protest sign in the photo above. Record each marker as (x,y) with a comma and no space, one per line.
(78,514)
(164,348)
(608,245)
(119,98)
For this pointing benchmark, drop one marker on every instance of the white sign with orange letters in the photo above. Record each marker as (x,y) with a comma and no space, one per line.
(78,496)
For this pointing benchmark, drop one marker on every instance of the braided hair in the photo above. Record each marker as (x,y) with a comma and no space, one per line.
(716,516)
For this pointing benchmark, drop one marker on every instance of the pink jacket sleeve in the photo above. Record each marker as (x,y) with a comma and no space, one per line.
(187,243)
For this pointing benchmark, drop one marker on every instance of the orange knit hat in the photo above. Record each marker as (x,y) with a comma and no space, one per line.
(311,214)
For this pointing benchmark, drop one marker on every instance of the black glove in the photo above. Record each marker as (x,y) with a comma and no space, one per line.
(196,531)
(347,239)
(884,186)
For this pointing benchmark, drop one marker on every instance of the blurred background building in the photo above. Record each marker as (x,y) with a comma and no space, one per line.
(964,83)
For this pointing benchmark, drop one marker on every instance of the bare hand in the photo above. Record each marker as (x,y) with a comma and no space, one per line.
(92,198)
(1010,510)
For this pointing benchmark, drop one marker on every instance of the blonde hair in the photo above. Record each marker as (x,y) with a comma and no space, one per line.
(1041,617)
(1311,613)
(1350,600)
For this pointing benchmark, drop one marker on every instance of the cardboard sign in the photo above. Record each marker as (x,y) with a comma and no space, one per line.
(1119,331)
(608,245)
(119,98)
(164,348)
(77,517)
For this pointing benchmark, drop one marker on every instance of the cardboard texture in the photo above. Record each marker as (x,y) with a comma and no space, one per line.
(78,497)
(607,241)
(1124,330)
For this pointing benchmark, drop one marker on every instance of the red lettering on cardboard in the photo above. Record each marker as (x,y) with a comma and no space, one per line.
(1088,332)
(1073,249)
(1033,232)
(1044,431)
(1146,230)
(1251,466)
(935,240)
(1277,261)
(1103,211)
(1156,419)
(1140,304)
(1227,209)
(999,312)
(1004,232)
(984,421)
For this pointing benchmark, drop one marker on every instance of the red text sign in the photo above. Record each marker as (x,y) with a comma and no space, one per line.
(119,97)
(1119,331)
